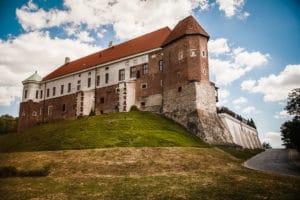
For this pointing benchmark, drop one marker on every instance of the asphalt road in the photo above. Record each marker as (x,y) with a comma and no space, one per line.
(279,161)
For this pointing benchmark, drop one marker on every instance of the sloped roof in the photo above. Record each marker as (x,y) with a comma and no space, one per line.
(137,45)
(187,26)
(33,77)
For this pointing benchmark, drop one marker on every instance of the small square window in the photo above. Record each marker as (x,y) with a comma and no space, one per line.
(144,85)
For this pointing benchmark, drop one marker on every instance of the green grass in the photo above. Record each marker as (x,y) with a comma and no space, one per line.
(243,154)
(142,173)
(132,129)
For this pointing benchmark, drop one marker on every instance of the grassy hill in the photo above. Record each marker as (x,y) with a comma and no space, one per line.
(152,158)
(132,129)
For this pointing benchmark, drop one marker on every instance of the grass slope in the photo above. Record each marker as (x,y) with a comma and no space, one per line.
(141,173)
(133,129)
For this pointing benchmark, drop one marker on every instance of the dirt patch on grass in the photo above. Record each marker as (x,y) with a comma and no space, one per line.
(122,161)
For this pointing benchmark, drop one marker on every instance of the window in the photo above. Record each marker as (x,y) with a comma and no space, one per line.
(89,82)
(90,73)
(41,94)
(143,104)
(179,89)
(193,53)
(37,94)
(132,72)
(144,85)
(34,113)
(98,80)
(48,92)
(64,107)
(121,74)
(106,77)
(145,68)
(79,75)
(160,65)
(78,85)
(50,110)
(25,94)
(61,89)
(69,87)
(102,100)
(203,53)
(106,68)
(53,91)
(180,55)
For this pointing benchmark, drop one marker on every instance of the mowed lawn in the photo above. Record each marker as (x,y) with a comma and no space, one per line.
(135,155)
(132,129)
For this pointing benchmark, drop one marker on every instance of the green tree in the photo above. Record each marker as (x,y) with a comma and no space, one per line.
(8,124)
(266,145)
(290,130)
(293,103)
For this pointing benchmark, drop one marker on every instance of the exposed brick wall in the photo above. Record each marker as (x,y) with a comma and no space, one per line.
(27,119)
(111,99)
(153,81)
(57,112)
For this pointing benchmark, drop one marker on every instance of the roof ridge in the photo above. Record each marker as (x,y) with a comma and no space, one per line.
(129,47)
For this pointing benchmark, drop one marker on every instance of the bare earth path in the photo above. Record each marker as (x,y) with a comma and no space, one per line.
(280,161)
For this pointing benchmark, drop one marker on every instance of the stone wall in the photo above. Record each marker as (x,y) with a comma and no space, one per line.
(242,134)
(198,115)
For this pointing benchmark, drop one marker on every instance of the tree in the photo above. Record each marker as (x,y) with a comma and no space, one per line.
(290,130)
(293,103)
(266,145)
(290,133)
(8,124)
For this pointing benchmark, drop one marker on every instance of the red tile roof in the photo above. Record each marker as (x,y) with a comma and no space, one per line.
(137,45)
(187,26)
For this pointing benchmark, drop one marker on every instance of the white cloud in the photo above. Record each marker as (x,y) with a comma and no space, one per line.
(274,138)
(232,8)
(281,115)
(236,65)
(218,46)
(22,55)
(100,34)
(8,94)
(124,16)
(249,110)
(248,84)
(222,95)
(84,36)
(240,100)
(276,87)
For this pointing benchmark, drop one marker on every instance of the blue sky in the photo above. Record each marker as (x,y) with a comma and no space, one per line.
(254,47)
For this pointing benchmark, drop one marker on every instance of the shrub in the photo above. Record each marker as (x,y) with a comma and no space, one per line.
(134,108)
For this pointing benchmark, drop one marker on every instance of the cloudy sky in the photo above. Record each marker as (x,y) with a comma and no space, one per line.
(254,47)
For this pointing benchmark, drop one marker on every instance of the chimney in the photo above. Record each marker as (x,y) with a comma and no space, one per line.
(67,60)
(110,44)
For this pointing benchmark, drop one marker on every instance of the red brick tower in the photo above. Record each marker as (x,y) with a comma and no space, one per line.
(188,95)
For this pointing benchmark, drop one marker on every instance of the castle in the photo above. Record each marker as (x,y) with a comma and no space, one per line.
(165,71)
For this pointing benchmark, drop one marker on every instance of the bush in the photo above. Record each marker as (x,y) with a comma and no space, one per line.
(10,171)
(134,108)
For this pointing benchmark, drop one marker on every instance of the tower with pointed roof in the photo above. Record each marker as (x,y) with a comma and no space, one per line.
(188,95)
